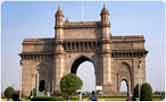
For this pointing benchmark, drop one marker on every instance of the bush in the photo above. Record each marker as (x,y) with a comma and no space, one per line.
(47,98)
(69,84)
(163,95)
(146,92)
(9,92)
(136,92)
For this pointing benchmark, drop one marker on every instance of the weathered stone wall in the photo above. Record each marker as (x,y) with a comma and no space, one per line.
(38,45)
(75,33)
(127,42)
(34,69)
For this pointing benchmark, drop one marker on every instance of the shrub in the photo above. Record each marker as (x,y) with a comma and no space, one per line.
(146,92)
(69,84)
(9,92)
(47,98)
(163,95)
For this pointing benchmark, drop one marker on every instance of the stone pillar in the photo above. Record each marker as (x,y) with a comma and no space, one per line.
(37,83)
(139,71)
(59,50)
(59,69)
(106,65)
(106,51)
(27,76)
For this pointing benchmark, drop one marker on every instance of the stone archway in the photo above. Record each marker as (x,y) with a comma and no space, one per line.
(78,61)
(42,76)
(84,68)
(124,73)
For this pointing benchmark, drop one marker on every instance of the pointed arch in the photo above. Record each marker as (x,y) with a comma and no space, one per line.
(78,61)
(124,73)
(42,76)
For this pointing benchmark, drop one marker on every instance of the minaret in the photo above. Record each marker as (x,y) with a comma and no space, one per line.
(105,22)
(59,17)
(59,50)
(106,50)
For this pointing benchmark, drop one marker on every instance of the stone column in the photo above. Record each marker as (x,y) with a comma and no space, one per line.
(59,69)
(106,51)
(106,65)
(37,83)
(59,49)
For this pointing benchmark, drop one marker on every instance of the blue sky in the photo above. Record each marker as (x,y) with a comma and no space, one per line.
(36,19)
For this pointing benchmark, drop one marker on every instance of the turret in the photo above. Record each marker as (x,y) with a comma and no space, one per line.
(105,24)
(105,17)
(59,21)
(59,49)
(59,17)
(106,50)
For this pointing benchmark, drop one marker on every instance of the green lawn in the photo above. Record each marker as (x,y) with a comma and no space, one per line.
(86,98)
(118,98)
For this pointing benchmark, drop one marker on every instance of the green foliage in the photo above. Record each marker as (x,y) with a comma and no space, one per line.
(136,92)
(9,92)
(163,95)
(146,92)
(47,98)
(69,84)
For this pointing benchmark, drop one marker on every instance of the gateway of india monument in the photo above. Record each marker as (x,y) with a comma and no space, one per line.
(115,58)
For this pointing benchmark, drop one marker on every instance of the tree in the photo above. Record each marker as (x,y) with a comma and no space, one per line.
(136,92)
(9,92)
(69,84)
(146,92)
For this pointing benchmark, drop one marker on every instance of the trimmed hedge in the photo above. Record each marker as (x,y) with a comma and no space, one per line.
(86,98)
(146,92)
(47,98)
(9,92)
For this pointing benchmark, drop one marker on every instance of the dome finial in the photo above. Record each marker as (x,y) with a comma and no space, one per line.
(59,11)
(104,10)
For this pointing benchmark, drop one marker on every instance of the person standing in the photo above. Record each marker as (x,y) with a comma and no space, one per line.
(93,96)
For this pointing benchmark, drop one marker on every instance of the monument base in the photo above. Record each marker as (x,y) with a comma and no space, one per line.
(107,89)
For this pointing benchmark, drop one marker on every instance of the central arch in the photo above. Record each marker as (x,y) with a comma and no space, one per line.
(78,61)
(84,68)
